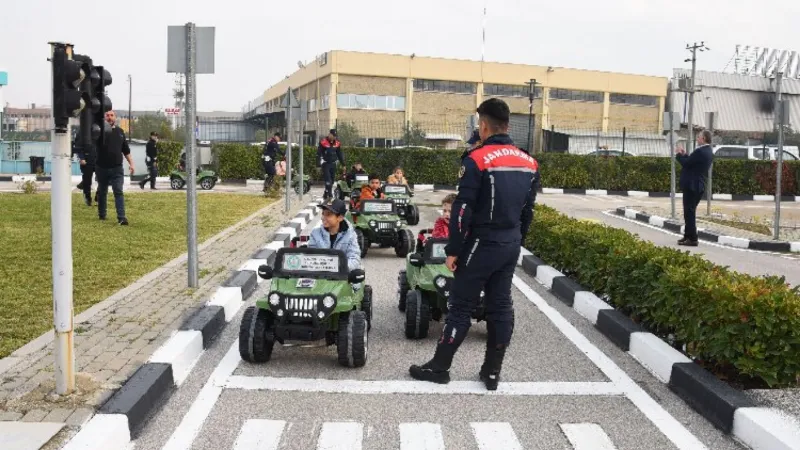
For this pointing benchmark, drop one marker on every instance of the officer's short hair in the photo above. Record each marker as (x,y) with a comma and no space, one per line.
(495,111)
(276,135)
(707,137)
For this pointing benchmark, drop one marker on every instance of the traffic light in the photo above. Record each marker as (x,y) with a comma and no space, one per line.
(84,139)
(101,104)
(67,77)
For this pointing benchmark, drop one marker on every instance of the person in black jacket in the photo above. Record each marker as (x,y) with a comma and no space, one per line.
(328,152)
(694,171)
(86,158)
(491,213)
(109,169)
(268,157)
(151,161)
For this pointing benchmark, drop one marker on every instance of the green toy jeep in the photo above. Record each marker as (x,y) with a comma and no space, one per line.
(205,178)
(313,297)
(401,195)
(424,287)
(342,188)
(376,222)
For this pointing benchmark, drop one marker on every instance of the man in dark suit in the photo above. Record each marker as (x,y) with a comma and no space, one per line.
(694,171)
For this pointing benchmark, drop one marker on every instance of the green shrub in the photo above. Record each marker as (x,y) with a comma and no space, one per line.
(751,324)
(169,153)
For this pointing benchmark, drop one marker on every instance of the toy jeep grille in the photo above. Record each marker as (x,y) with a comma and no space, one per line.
(301,304)
(386,225)
(400,201)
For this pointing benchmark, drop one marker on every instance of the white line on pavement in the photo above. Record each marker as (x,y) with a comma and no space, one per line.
(260,435)
(672,428)
(415,387)
(495,436)
(421,436)
(587,436)
(340,436)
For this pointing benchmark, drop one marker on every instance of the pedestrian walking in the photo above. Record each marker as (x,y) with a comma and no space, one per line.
(491,213)
(268,158)
(328,152)
(86,159)
(109,169)
(694,171)
(151,161)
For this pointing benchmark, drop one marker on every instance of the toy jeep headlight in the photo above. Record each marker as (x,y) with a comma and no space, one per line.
(328,302)
(274,299)
(399,224)
(372,223)
(441,282)
(442,285)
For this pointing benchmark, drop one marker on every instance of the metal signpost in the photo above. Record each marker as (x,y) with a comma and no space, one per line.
(289,102)
(672,121)
(782,120)
(190,50)
(711,117)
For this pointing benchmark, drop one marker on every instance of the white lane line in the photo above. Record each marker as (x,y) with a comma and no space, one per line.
(672,428)
(421,436)
(712,244)
(587,436)
(340,436)
(260,435)
(495,436)
(192,422)
(415,387)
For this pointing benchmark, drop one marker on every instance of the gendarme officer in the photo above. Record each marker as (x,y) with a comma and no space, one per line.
(491,214)
(328,152)
(268,157)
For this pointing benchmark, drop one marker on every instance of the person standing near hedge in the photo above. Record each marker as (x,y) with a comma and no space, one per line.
(328,152)
(150,160)
(490,215)
(268,157)
(694,171)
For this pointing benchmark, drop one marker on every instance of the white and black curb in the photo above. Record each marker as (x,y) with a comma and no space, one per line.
(709,236)
(729,197)
(725,407)
(127,411)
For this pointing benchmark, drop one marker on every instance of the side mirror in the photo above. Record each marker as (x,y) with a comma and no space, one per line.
(265,272)
(416,260)
(356,276)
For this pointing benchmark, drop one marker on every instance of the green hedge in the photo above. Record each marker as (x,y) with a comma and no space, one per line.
(638,173)
(169,153)
(727,319)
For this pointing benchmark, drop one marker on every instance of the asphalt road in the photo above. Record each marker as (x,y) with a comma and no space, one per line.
(565,386)
(741,260)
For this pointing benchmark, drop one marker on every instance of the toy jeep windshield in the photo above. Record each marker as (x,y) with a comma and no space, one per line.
(313,297)
(377,222)
(343,188)
(424,287)
(401,195)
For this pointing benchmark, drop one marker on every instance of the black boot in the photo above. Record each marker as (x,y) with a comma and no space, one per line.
(437,370)
(492,360)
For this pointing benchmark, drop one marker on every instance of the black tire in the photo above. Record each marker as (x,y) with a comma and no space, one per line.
(418,315)
(306,187)
(352,338)
(405,241)
(412,215)
(363,242)
(337,193)
(366,305)
(402,290)
(207,183)
(255,344)
(176,183)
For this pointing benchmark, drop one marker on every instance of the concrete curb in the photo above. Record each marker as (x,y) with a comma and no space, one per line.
(729,197)
(148,389)
(703,235)
(725,407)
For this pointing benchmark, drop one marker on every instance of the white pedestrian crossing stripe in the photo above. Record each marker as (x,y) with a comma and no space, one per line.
(259,434)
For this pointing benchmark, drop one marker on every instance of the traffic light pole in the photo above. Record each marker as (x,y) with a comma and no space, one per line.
(191,188)
(61,223)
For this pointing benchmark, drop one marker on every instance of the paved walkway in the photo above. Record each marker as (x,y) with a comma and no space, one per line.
(112,344)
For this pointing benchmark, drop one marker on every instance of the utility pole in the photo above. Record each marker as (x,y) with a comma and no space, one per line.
(191,182)
(694,48)
(779,106)
(130,116)
(531,96)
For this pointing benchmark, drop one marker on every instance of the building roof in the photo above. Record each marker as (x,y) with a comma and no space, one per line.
(741,102)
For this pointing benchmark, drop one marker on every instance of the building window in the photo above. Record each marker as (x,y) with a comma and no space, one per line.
(457,87)
(578,96)
(632,99)
(312,105)
(326,102)
(380,102)
(510,90)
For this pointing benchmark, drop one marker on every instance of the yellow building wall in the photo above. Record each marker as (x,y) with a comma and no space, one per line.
(565,114)
(353,84)
(633,118)
(375,124)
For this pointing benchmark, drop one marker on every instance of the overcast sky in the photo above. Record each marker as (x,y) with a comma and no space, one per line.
(260,42)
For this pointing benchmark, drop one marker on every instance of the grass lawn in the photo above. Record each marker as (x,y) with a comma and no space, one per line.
(106,257)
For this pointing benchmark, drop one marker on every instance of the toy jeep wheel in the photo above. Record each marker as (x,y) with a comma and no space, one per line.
(366,305)
(176,183)
(402,290)
(352,339)
(418,316)
(255,345)
(207,183)
(337,193)
(363,242)
(412,215)
(404,242)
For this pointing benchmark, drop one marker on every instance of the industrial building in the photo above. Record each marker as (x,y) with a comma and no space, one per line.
(383,100)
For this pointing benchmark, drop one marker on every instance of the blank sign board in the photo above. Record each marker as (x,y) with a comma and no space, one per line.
(176,49)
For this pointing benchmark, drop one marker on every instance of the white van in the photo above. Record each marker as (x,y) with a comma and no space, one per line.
(756,152)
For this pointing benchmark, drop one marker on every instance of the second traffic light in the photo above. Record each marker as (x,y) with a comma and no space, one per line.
(101,104)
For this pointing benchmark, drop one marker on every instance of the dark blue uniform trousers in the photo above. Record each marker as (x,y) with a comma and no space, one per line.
(487,266)
(329,173)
